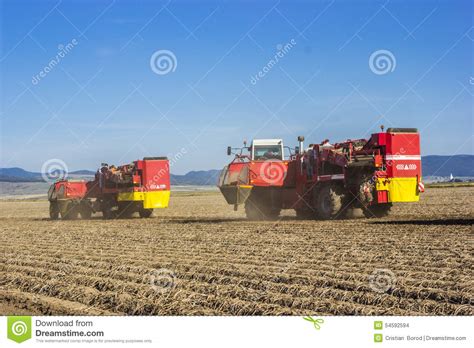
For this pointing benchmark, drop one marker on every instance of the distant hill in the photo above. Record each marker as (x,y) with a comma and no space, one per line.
(199,178)
(440,166)
(83,172)
(18,175)
(458,165)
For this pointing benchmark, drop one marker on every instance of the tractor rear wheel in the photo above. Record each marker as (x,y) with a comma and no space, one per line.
(377,210)
(145,213)
(53,210)
(328,202)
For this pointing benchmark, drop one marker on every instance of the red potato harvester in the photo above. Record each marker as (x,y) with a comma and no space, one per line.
(325,180)
(120,191)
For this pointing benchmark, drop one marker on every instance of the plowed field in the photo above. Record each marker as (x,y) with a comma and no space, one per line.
(199,257)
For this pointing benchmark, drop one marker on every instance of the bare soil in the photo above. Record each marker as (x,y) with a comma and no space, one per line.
(199,257)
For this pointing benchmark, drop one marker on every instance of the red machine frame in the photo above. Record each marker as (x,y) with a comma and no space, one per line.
(325,180)
(140,187)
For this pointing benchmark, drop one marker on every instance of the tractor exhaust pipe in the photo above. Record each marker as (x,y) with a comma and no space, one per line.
(301,143)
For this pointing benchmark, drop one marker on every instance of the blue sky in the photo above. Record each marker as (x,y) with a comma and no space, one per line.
(102,101)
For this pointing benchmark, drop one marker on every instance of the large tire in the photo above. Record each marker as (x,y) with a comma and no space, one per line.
(366,192)
(377,210)
(53,210)
(368,199)
(126,209)
(328,202)
(347,206)
(304,214)
(145,213)
(85,210)
(256,209)
(106,208)
(69,211)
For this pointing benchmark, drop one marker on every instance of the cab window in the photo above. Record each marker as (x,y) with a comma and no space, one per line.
(266,152)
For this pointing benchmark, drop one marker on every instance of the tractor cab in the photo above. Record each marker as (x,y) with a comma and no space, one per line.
(266,149)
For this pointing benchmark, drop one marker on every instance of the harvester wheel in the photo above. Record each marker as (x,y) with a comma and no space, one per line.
(53,210)
(69,211)
(106,208)
(107,214)
(304,214)
(145,213)
(346,206)
(377,210)
(328,201)
(85,210)
(126,209)
(367,198)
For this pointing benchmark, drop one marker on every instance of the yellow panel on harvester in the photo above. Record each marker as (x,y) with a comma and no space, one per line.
(130,196)
(156,199)
(403,190)
(151,199)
